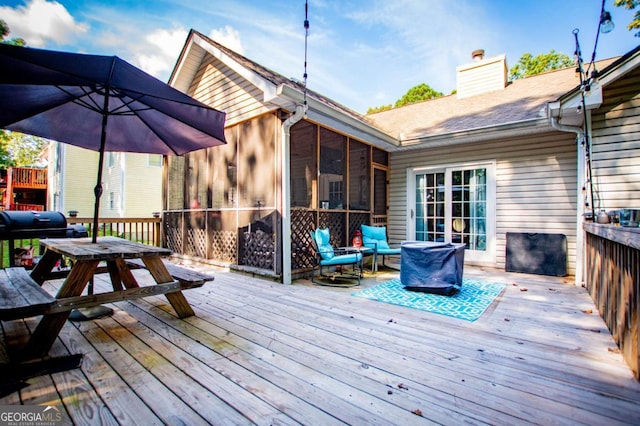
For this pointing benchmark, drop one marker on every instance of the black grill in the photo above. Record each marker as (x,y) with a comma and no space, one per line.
(16,225)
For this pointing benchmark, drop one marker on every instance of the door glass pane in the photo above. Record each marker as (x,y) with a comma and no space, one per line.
(468,211)
(430,207)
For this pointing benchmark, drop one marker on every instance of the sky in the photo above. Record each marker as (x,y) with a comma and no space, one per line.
(361,53)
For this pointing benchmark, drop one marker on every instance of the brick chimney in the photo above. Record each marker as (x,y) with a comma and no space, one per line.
(482,75)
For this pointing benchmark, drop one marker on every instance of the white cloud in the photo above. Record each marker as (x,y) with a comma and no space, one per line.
(161,50)
(40,22)
(227,37)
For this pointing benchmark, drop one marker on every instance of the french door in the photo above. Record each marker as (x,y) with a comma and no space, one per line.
(454,204)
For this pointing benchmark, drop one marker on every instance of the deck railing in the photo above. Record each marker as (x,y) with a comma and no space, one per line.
(613,280)
(25,177)
(143,230)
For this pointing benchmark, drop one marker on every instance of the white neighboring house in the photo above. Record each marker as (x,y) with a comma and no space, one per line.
(131,183)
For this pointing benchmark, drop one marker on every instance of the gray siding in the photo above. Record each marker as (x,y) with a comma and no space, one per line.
(536,187)
(616,145)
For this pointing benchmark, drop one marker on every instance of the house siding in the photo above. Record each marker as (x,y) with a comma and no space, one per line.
(218,86)
(74,184)
(536,185)
(142,186)
(80,171)
(616,145)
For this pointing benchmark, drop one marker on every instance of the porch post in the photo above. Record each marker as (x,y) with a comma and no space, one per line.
(286,191)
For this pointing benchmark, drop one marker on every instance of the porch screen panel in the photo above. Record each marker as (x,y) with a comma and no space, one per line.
(197,186)
(223,172)
(359,176)
(380,192)
(332,184)
(304,164)
(175,182)
(256,163)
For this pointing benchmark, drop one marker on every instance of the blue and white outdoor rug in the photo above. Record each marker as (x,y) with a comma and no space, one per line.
(474,298)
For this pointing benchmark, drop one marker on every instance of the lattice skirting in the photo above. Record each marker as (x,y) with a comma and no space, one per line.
(196,243)
(302,222)
(174,239)
(224,246)
(259,250)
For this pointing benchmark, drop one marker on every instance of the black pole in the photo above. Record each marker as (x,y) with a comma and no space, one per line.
(97,191)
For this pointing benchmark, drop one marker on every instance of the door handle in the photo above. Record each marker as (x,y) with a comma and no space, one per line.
(411,213)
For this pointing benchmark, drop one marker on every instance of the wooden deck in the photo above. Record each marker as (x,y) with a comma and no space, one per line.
(260,352)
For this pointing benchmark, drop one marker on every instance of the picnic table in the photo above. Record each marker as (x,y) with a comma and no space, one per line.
(24,297)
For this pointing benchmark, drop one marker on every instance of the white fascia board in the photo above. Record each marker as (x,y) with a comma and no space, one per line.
(268,88)
(338,120)
(569,109)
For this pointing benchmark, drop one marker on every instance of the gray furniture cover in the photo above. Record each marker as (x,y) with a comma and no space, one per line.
(432,267)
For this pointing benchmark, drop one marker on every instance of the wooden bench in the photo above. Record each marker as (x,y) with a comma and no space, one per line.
(22,297)
(187,278)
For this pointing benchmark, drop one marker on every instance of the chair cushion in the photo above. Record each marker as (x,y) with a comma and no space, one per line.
(325,248)
(343,259)
(374,236)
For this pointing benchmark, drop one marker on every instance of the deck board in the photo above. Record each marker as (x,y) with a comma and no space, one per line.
(258,352)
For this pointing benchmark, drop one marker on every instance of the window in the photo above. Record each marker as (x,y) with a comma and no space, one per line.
(111,159)
(154,160)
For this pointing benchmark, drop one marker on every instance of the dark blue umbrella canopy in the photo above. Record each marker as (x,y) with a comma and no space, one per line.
(101,103)
(61,96)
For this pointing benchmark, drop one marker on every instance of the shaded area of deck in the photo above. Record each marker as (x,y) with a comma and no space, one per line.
(260,352)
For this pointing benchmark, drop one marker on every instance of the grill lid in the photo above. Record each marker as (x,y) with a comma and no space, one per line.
(15,221)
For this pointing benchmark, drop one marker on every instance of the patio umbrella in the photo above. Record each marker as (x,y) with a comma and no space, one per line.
(102,103)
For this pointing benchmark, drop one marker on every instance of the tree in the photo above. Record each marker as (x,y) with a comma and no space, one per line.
(419,93)
(4,32)
(5,157)
(17,149)
(631,4)
(24,150)
(529,65)
(373,110)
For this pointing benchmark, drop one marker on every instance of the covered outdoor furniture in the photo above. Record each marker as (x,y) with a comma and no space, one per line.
(346,262)
(432,267)
(375,237)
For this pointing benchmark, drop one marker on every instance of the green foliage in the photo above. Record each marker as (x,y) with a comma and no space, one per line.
(5,158)
(4,32)
(419,93)
(631,4)
(529,65)
(373,110)
(24,150)
(17,149)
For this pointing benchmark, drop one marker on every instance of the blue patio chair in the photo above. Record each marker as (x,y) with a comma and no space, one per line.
(326,256)
(375,237)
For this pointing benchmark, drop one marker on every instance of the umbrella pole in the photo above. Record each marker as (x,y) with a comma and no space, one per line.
(84,314)
(97,191)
